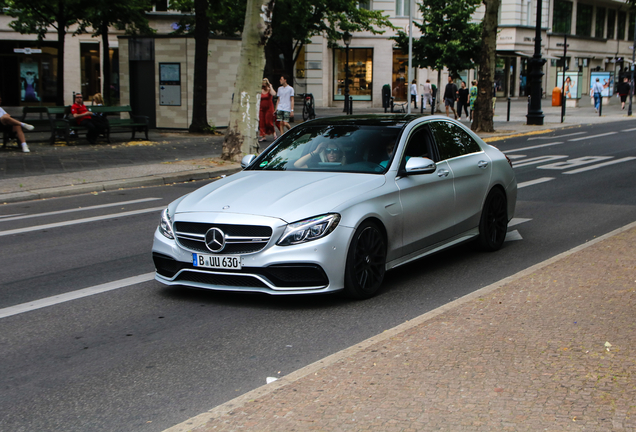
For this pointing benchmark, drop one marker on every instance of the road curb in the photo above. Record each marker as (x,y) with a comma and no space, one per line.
(223,409)
(110,185)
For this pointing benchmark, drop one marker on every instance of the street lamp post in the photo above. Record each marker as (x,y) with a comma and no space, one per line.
(535,115)
(346,38)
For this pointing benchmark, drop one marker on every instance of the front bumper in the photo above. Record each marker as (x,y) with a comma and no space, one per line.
(314,267)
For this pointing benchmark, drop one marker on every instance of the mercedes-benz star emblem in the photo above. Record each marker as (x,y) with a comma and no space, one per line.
(215,239)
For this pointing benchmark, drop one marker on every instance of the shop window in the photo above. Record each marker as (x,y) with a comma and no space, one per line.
(562,20)
(630,27)
(90,70)
(300,63)
(600,23)
(402,7)
(622,17)
(360,68)
(584,19)
(399,85)
(611,23)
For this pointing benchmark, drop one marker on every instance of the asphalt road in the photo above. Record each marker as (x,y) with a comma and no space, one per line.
(143,357)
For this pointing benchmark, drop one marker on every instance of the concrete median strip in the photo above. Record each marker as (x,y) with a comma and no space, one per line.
(201,420)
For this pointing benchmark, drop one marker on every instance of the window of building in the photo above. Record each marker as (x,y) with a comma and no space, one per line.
(622,17)
(599,28)
(611,23)
(402,7)
(584,19)
(360,68)
(364,4)
(399,76)
(160,5)
(90,69)
(630,28)
(562,20)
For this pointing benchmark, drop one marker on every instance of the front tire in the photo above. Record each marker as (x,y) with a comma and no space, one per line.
(366,262)
(493,225)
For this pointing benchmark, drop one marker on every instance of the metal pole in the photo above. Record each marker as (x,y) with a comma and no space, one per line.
(565,50)
(535,114)
(631,83)
(508,117)
(600,106)
(422,104)
(346,104)
(408,93)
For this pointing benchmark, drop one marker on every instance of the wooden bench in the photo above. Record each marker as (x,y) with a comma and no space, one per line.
(117,124)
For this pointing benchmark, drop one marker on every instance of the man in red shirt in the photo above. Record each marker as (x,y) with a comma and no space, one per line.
(84,118)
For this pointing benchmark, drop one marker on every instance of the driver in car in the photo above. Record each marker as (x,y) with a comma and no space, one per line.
(325,152)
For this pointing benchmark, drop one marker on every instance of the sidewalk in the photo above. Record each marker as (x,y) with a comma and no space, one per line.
(552,348)
(176,156)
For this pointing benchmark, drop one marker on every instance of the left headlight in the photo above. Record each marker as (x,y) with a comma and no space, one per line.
(165,225)
(309,229)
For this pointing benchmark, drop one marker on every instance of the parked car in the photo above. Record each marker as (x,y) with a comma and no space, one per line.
(334,203)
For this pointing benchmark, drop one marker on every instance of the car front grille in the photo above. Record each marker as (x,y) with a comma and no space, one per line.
(239,239)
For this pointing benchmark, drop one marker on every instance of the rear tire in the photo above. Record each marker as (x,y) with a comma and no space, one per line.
(493,225)
(366,262)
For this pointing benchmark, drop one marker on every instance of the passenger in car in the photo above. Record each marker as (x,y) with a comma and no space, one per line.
(325,152)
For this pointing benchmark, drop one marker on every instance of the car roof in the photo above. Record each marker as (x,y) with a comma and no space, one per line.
(389,120)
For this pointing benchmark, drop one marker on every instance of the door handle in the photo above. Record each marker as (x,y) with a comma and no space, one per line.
(442,173)
(482,164)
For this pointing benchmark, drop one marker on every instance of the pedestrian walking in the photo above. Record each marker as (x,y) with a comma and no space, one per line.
(450,94)
(284,104)
(623,91)
(597,90)
(462,100)
(427,92)
(266,111)
(473,97)
(14,128)
(414,93)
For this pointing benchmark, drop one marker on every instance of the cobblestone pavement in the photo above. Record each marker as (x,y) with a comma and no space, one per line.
(550,349)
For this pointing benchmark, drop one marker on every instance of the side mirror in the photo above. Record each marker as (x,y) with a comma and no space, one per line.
(420,165)
(247,160)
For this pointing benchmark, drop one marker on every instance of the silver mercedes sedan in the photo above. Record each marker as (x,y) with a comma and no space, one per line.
(336,202)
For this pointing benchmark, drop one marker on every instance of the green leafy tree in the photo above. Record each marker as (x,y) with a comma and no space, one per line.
(100,15)
(296,21)
(37,16)
(449,38)
(201,19)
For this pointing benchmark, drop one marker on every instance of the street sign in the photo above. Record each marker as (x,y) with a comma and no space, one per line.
(27,50)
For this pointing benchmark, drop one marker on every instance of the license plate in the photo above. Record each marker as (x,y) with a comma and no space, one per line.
(216,261)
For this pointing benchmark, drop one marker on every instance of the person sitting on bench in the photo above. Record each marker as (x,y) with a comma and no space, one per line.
(13,126)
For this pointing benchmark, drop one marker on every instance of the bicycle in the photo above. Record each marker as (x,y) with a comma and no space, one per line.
(308,106)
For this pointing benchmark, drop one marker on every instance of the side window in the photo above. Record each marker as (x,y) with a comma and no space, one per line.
(419,144)
(453,141)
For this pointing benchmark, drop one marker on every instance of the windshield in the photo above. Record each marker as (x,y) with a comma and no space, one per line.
(332,148)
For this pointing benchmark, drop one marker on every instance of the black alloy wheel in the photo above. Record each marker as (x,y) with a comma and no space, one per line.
(366,262)
(493,225)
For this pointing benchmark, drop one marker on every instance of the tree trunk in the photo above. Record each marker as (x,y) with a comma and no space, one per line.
(242,132)
(483,116)
(61,34)
(105,65)
(201,42)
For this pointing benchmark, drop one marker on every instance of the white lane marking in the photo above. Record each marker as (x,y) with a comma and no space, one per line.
(534,182)
(11,215)
(537,160)
(533,147)
(604,164)
(557,137)
(593,136)
(513,235)
(513,157)
(629,130)
(571,163)
(517,221)
(77,209)
(78,221)
(74,295)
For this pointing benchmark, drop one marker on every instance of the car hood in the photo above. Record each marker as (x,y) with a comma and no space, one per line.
(290,196)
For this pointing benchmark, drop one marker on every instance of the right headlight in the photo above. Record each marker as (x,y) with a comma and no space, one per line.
(309,229)
(165,225)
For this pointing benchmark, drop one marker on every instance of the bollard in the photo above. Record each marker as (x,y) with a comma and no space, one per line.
(392,100)
(600,106)
(508,118)
(433,106)
(350,105)
(422,105)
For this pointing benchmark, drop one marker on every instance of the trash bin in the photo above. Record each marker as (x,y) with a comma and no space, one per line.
(386,96)
(556,96)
